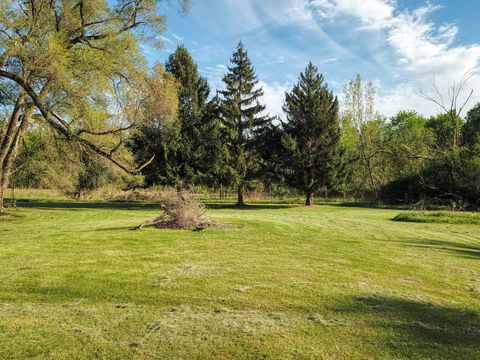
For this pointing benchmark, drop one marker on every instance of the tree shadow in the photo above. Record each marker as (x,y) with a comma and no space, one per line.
(408,328)
(74,205)
(124,205)
(467,251)
(365,205)
(221,206)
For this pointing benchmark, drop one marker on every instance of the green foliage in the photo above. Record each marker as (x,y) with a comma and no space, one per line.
(187,149)
(199,144)
(443,130)
(77,68)
(409,139)
(48,163)
(312,134)
(471,127)
(272,170)
(439,217)
(242,120)
(363,140)
(45,162)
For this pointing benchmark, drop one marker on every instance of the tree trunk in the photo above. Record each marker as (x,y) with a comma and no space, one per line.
(10,151)
(7,143)
(240,201)
(309,201)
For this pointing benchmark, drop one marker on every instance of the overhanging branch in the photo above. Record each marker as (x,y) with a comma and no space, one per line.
(62,127)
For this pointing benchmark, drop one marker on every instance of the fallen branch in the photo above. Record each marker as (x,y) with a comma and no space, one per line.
(180,211)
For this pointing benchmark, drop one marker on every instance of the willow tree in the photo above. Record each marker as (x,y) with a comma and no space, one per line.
(76,66)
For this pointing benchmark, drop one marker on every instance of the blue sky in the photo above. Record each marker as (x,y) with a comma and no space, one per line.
(401,45)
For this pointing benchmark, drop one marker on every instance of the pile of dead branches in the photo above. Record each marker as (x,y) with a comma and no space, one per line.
(180,211)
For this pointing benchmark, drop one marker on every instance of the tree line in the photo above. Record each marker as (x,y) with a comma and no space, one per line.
(81,110)
(229,141)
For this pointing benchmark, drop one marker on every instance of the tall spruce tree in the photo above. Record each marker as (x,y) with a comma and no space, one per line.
(193,125)
(186,150)
(242,118)
(311,134)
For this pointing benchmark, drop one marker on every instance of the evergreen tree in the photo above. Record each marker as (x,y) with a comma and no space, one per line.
(159,133)
(193,125)
(187,149)
(242,119)
(312,133)
(270,149)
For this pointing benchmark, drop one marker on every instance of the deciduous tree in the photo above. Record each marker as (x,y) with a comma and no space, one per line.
(68,59)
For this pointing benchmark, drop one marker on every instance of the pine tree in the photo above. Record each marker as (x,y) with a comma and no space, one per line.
(195,156)
(242,119)
(186,149)
(312,133)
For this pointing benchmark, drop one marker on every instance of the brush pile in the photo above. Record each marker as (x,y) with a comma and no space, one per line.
(180,211)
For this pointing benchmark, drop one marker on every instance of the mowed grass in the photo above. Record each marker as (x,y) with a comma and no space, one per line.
(281,282)
(447,217)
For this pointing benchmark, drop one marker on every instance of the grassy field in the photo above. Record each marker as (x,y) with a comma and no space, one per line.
(445,217)
(284,282)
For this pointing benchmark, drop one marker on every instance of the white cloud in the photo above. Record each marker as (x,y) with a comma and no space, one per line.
(402,50)
(422,48)
(329,60)
(273,97)
(371,13)
(178,37)
(166,40)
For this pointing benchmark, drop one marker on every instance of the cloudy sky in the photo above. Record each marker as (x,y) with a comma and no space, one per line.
(402,45)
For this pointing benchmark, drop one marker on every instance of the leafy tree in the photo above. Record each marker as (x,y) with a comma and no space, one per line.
(406,149)
(44,161)
(471,128)
(312,134)
(159,134)
(242,119)
(361,124)
(68,61)
(359,99)
(374,160)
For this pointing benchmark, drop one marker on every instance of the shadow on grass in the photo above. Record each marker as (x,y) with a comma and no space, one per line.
(219,206)
(468,251)
(139,205)
(120,205)
(431,330)
(86,205)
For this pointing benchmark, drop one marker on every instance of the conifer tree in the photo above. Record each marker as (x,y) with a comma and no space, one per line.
(194,124)
(311,134)
(186,151)
(242,119)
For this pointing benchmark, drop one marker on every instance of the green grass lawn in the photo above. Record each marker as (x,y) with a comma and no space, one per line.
(285,282)
(447,217)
